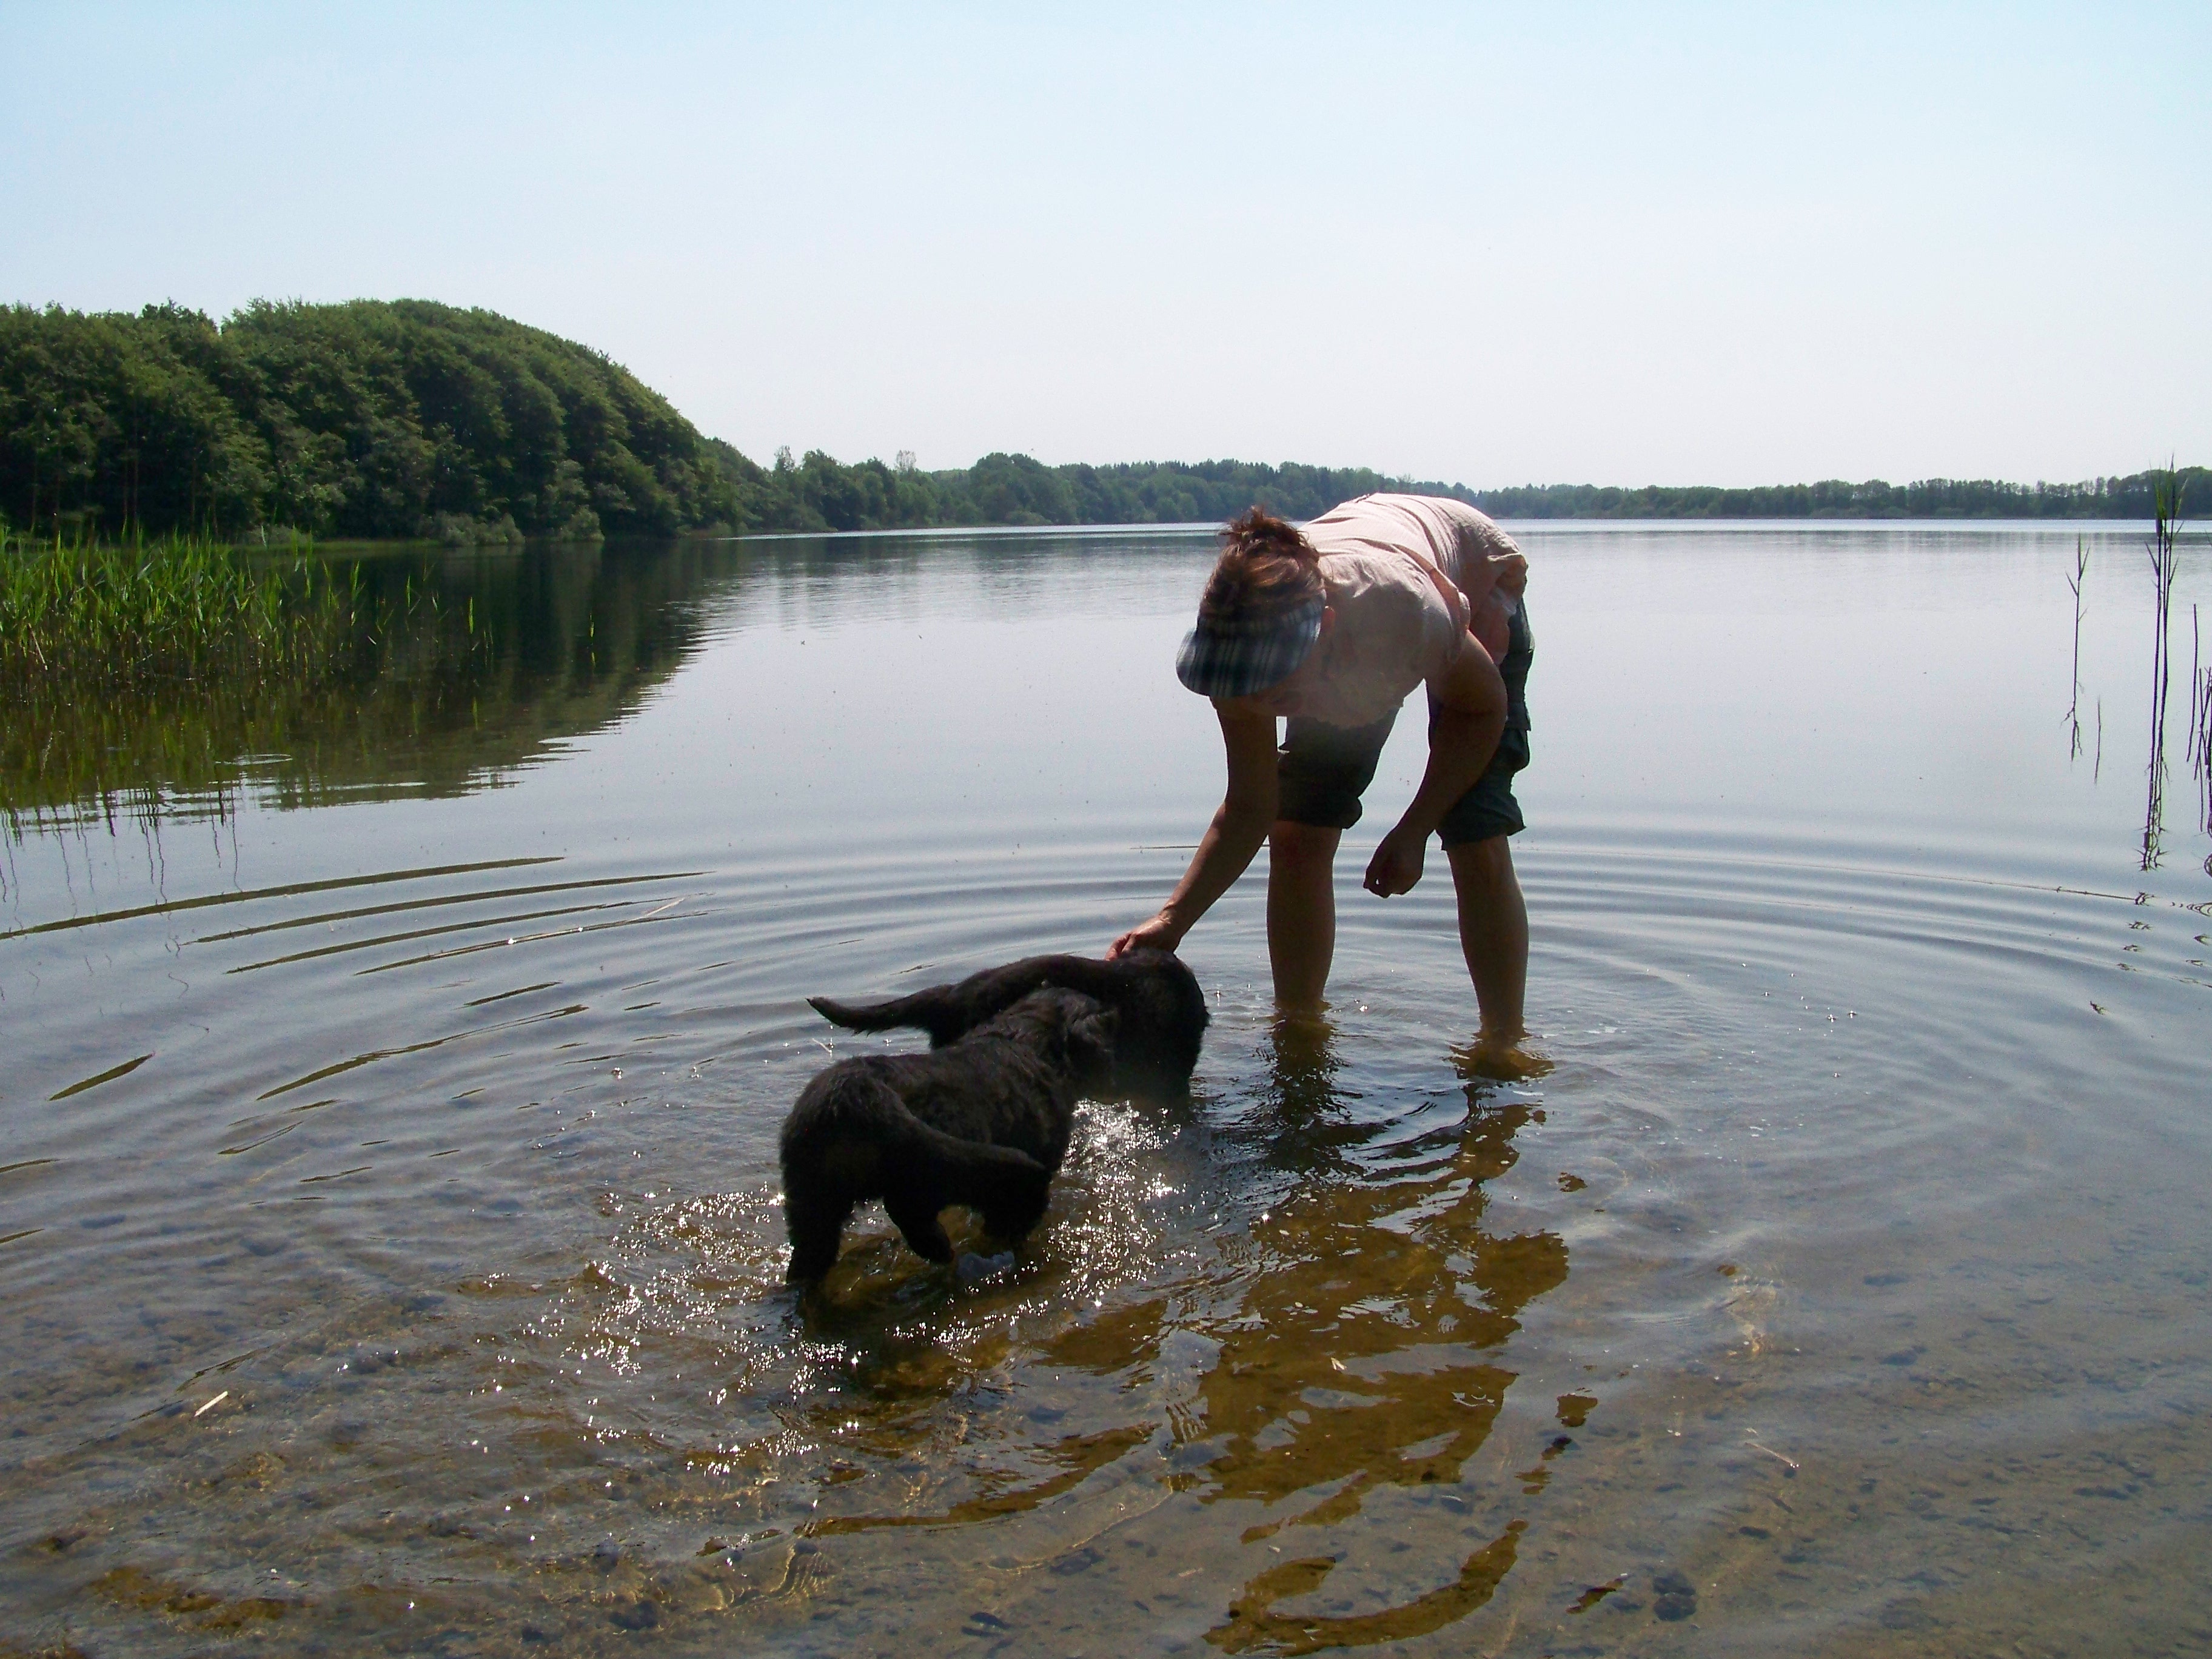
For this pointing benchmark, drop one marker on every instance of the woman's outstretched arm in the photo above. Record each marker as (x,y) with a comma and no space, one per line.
(1240,825)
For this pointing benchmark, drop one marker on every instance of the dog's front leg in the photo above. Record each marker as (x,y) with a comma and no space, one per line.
(816,1225)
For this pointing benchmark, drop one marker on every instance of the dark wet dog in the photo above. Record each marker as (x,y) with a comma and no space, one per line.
(1163,1012)
(982,1121)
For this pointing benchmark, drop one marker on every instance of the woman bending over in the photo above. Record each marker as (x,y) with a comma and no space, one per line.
(1331,627)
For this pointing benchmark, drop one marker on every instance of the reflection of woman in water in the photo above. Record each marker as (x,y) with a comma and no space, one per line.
(1332,627)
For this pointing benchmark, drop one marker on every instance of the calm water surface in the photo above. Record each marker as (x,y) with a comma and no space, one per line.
(388,1208)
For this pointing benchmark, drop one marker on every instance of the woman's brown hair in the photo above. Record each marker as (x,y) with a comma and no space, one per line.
(1266,569)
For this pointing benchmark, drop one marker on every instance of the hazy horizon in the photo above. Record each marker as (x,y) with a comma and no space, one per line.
(1715,247)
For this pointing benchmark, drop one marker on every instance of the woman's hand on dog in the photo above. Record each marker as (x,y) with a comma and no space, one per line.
(1159,933)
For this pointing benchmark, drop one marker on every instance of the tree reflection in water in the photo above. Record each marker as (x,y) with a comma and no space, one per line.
(465,666)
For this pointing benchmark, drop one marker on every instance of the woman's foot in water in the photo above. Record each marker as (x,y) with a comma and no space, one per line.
(1501,1057)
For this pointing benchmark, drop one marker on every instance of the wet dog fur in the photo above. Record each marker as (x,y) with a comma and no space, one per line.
(1162,1008)
(981,1121)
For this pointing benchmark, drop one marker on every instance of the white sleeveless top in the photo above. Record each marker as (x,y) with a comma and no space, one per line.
(1396,623)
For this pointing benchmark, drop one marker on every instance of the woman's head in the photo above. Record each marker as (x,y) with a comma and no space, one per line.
(1261,613)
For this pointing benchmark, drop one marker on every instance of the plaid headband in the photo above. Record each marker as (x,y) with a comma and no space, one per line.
(1234,658)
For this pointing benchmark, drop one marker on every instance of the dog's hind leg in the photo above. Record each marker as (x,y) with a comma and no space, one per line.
(1011,1213)
(1007,1187)
(915,1213)
(1004,1184)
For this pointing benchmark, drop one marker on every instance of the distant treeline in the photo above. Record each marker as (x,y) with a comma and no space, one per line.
(409,419)
(2129,497)
(818,492)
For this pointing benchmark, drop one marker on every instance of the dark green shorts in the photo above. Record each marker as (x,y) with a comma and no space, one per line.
(1323,770)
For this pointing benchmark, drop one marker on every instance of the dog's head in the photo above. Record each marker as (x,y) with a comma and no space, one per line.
(1091,1044)
(1082,1030)
(1163,1020)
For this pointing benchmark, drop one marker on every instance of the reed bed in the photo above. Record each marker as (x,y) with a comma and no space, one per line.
(445,671)
(85,616)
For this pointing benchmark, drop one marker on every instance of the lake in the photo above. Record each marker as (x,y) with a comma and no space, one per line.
(389,1210)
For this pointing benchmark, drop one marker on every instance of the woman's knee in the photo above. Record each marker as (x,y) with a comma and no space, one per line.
(1485,866)
(1302,848)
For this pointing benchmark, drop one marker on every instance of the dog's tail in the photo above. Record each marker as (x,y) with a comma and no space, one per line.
(940,1011)
(948,1011)
(874,1016)
(855,1139)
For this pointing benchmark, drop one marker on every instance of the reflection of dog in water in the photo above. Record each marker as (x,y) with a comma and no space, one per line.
(1163,1012)
(981,1121)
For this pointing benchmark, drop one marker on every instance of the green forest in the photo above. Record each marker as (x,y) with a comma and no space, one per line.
(371,420)
(411,420)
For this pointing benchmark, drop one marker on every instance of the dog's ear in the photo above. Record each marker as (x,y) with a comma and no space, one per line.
(1090,1037)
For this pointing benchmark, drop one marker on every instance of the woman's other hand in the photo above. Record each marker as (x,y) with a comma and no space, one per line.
(1396,867)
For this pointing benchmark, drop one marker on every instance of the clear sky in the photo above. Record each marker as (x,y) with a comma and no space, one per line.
(1494,244)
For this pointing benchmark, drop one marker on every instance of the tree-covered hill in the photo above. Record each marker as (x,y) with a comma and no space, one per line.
(369,419)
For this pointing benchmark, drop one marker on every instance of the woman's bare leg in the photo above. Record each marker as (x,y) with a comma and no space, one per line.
(1493,935)
(1301,912)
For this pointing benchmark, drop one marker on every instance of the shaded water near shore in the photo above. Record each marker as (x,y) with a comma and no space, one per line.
(387,1197)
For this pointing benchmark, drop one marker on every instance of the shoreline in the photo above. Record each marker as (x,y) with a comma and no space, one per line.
(1195,527)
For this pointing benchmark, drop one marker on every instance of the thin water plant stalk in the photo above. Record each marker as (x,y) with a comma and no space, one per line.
(2166,505)
(2194,747)
(2200,724)
(2074,581)
(2204,752)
